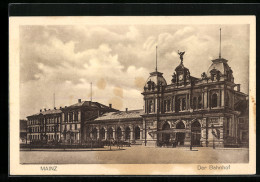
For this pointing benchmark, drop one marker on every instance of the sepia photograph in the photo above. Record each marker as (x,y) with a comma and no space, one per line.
(175,92)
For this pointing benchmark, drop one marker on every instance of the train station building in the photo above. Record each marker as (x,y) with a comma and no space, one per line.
(205,111)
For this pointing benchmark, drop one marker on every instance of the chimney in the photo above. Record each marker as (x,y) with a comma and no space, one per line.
(238,87)
(40,110)
(110,106)
(44,109)
(79,100)
(126,109)
(55,108)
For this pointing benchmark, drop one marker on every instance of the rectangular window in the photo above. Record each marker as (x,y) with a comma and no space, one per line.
(168,105)
(244,136)
(71,117)
(241,121)
(76,127)
(164,106)
(66,117)
(76,116)
(214,120)
(183,104)
(228,125)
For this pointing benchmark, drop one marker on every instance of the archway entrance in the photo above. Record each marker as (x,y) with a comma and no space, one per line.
(102,134)
(166,136)
(196,133)
(110,133)
(127,133)
(137,133)
(119,133)
(180,136)
(94,134)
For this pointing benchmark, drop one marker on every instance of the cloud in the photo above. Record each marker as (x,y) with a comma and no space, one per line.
(65,59)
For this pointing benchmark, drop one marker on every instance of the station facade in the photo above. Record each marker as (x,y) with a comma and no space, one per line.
(205,111)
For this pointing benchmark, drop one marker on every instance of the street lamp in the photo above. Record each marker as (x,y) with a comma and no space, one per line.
(55,131)
(213,134)
(191,111)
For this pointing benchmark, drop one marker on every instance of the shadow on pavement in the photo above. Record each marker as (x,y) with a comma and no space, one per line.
(73,150)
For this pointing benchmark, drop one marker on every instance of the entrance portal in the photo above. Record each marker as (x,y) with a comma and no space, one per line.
(196,133)
(166,136)
(180,136)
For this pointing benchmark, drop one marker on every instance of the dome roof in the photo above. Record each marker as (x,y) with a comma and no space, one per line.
(220,65)
(181,67)
(156,78)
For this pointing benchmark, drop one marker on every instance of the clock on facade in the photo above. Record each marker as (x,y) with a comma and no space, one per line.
(180,77)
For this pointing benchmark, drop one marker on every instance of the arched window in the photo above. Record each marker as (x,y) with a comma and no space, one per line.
(183,103)
(127,133)
(94,134)
(150,106)
(178,105)
(165,106)
(199,102)
(214,100)
(137,133)
(102,133)
(166,126)
(110,133)
(168,105)
(194,102)
(180,125)
(227,100)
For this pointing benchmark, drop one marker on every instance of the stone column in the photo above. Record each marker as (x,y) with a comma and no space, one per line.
(173,104)
(208,99)
(189,96)
(218,99)
(186,102)
(131,133)
(123,134)
(222,98)
(205,99)
(106,134)
(114,134)
(97,133)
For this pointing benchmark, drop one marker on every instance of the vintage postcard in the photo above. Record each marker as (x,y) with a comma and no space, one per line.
(132,95)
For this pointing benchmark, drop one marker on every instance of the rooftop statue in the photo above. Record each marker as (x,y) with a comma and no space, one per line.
(181,56)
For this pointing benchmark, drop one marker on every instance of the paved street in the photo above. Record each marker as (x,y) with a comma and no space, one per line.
(135,155)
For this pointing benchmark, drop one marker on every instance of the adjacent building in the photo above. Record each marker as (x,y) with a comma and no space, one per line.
(23,132)
(64,124)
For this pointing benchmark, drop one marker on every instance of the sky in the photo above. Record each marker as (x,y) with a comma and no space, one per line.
(117,59)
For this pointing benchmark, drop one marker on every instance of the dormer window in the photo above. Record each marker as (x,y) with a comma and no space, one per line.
(215,75)
(150,106)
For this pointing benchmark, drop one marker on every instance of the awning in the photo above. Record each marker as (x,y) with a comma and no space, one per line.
(171,131)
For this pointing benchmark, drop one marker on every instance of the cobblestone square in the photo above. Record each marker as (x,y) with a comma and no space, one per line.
(136,155)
